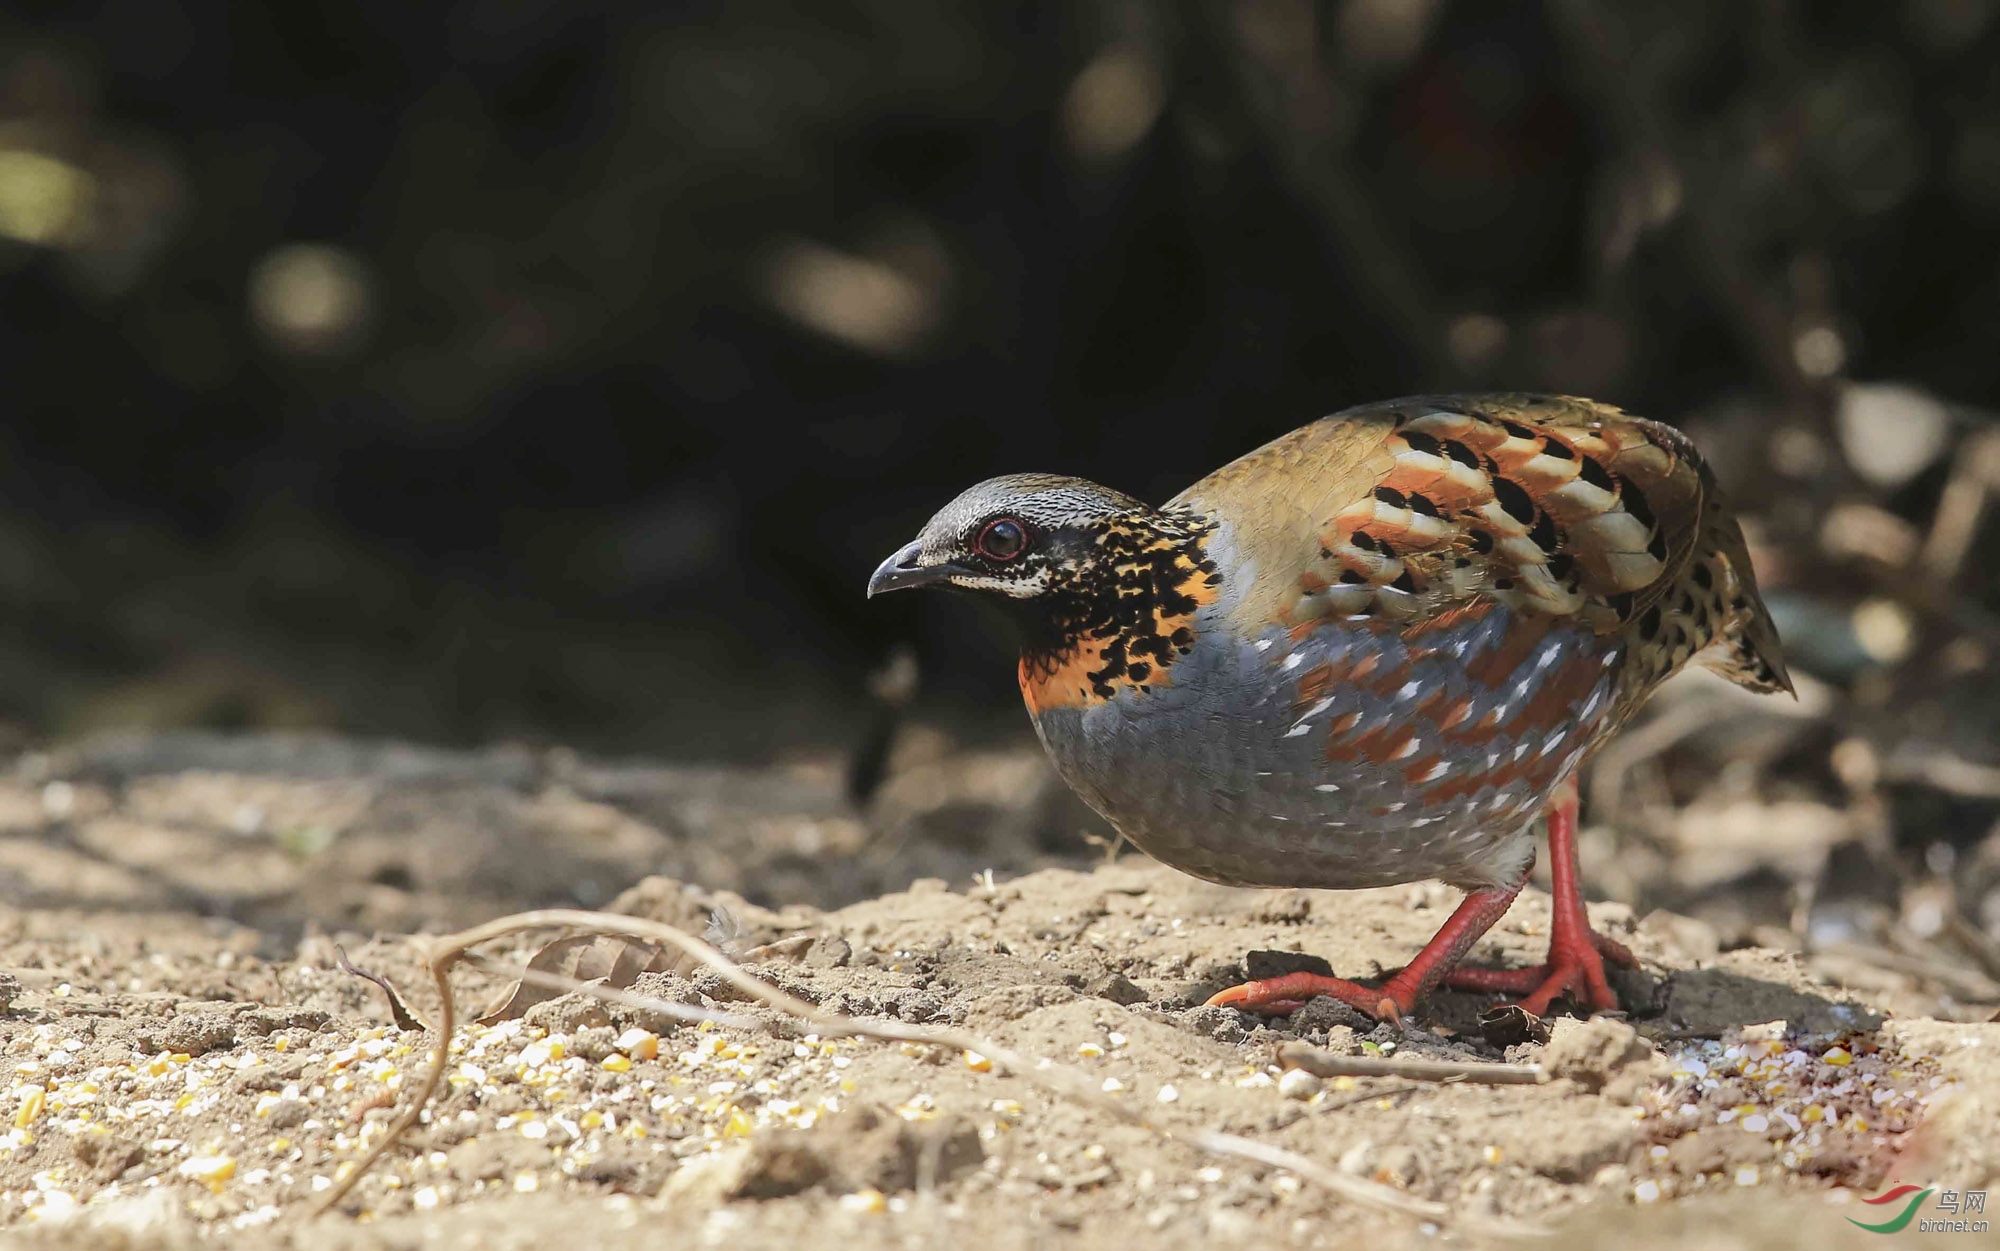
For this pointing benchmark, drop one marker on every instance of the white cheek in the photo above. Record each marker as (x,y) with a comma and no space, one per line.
(1019,588)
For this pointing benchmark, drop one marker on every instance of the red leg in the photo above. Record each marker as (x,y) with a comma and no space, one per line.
(1279,996)
(1577,953)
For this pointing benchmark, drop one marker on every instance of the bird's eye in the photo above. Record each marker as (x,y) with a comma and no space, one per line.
(1002,539)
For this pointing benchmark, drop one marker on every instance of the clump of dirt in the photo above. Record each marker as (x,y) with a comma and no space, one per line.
(179,1077)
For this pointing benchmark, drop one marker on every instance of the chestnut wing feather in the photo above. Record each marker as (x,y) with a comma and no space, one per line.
(1553,506)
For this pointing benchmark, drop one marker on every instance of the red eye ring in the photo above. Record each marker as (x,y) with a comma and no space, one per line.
(1002,539)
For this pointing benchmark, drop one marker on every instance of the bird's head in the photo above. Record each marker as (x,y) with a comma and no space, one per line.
(1093,575)
(1023,536)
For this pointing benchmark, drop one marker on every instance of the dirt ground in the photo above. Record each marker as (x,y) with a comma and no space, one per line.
(190,1066)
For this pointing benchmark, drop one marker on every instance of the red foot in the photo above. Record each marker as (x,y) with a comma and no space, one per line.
(1282,996)
(1571,969)
(1394,999)
(1577,953)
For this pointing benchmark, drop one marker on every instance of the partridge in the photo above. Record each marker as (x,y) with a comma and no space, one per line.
(1372,651)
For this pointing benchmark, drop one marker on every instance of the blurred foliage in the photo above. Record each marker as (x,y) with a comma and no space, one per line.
(515,367)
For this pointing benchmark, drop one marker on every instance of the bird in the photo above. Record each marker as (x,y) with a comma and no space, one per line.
(1372,651)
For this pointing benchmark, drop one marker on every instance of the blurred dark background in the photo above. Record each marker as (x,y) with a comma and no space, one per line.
(545,374)
(556,371)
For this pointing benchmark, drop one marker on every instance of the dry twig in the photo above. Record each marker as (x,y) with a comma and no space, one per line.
(564,983)
(444,952)
(1974,942)
(1298,1055)
(404,1015)
(1397,1095)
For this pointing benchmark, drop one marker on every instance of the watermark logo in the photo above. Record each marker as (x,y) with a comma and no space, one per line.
(1895,1223)
(1958,1207)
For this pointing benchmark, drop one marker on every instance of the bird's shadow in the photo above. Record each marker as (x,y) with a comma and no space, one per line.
(1664,1005)
(1709,1002)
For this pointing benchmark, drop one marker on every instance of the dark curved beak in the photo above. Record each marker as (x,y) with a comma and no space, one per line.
(906,568)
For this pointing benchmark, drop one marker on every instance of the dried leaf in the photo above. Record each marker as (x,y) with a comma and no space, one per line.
(607,958)
(790,949)
(1506,1024)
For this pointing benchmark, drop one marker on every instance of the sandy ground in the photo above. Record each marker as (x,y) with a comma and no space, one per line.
(191,1067)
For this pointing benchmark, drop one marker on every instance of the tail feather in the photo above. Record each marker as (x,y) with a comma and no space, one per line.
(1749,657)
(1747,650)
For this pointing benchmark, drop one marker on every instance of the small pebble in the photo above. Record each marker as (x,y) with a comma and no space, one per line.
(1298,1084)
(869,1200)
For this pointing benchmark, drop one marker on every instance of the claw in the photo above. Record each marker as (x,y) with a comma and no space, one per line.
(1281,996)
(1613,950)
(1571,970)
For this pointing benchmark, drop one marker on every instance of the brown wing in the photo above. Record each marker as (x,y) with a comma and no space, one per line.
(1556,506)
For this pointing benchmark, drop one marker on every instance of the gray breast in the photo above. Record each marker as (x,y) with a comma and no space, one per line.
(1354,757)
